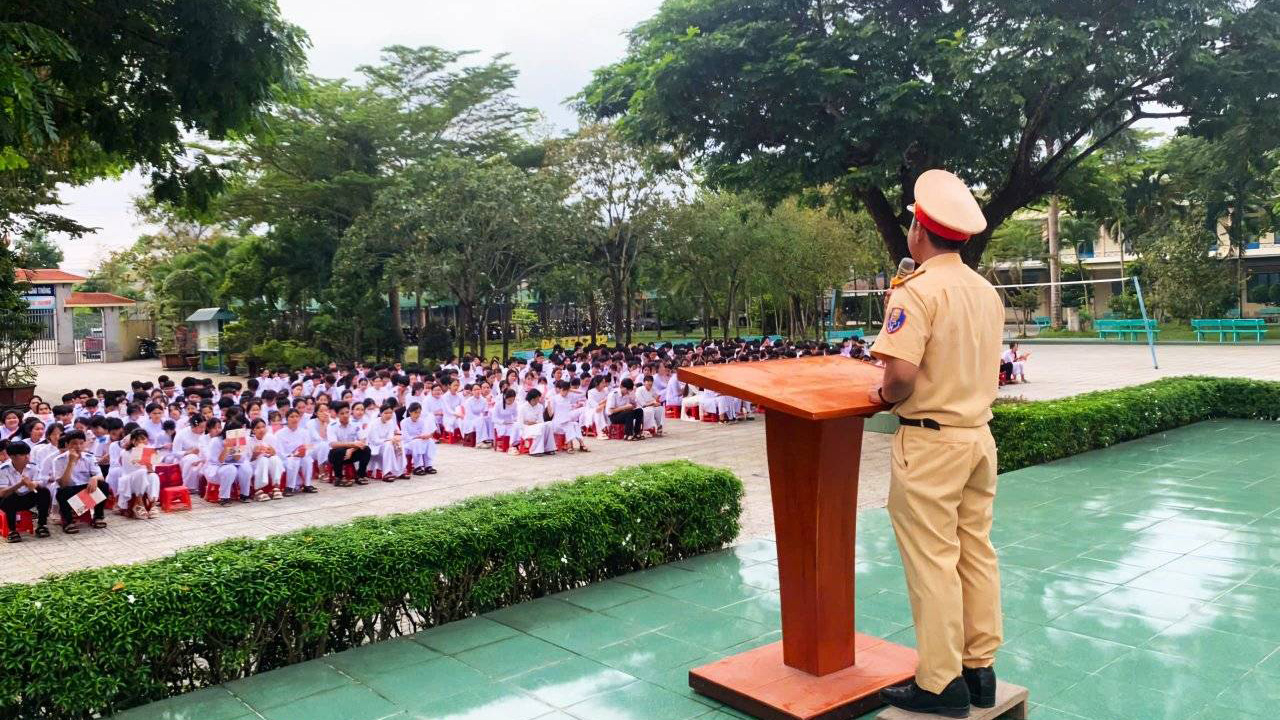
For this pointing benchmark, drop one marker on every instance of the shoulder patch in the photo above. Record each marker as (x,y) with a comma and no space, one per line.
(897,318)
(899,281)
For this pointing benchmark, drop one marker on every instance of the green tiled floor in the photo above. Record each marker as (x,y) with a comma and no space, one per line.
(1141,582)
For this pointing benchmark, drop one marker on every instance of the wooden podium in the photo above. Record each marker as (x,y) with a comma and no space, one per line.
(813,434)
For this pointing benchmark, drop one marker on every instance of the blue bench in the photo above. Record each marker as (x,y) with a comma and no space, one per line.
(1126,329)
(1269,312)
(1042,321)
(842,335)
(1233,327)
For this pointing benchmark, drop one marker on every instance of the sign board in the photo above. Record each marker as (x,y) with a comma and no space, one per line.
(208,342)
(40,302)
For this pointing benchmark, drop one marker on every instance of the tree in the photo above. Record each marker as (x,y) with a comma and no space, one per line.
(480,226)
(316,167)
(35,250)
(785,95)
(716,243)
(627,192)
(1185,282)
(90,90)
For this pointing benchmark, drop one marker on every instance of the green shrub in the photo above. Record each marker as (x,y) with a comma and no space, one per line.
(106,639)
(288,353)
(1037,432)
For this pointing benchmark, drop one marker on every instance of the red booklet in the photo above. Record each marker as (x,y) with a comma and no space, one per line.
(84,501)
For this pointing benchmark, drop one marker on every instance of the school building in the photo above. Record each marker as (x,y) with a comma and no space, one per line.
(77,327)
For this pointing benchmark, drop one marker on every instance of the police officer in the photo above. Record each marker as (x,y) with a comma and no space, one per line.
(941,348)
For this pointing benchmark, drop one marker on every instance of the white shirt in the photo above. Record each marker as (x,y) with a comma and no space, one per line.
(288,441)
(351,432)
(9,475)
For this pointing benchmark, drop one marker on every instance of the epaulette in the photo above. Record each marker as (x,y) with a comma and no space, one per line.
(898,281)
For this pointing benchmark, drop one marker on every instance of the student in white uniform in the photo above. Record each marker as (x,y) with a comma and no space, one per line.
(221,464)
(565,418)
(318,429)
(265,461)
(1015,363)
(506,420)
(294,443)
(597,398)
(418,433)
(650,403)
(621,410)
(74,471)
(439,410)
(534,426)
(21,490)
(385,445)
(137,486)
(188,445)
(476,416)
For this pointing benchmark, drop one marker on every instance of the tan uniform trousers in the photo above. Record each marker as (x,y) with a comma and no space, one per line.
(940,501)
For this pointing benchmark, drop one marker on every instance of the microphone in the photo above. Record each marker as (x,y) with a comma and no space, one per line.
(905,267)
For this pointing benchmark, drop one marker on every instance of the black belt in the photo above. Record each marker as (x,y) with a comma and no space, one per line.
(924,423)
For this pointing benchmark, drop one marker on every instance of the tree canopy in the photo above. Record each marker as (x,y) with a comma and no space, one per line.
(781,96)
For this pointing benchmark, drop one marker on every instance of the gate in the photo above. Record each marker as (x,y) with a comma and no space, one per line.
(88,334)
(44,351)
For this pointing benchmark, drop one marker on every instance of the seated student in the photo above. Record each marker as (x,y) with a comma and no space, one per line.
(20,490)
(597,398)
(1014,363)
(188,446)
(418,433)
(621,409)
(386,449)
(137,486)
(294,443)
(566,419)
(534,426)
(222,465)
(506,420)
(263,459)
(348,444)
(438,409)
(74,470)
(650,403)
(318,430)
(476,417)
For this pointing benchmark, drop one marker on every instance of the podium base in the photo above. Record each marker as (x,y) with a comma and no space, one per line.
(759,684)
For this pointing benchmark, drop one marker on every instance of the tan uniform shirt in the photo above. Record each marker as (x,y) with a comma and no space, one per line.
(948,321)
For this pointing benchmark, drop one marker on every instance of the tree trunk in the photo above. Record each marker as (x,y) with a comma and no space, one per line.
(1055,269)
(593,316)
(728,310)
(629,294)
(657,314)
(484,329)
(457,328)
(397,329)
(506,325)
(616,312)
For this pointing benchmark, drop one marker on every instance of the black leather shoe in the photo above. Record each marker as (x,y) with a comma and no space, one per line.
(982,686)
(952,702)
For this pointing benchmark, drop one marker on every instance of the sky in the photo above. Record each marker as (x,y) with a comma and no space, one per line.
(555,44)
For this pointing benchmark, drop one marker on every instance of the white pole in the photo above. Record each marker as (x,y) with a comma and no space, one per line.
(1151,341)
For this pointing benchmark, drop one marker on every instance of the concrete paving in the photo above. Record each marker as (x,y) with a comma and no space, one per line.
(1055,371)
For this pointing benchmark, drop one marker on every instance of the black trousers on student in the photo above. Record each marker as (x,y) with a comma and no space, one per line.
(359,458)
(70,491)
(632,421)
(40,500)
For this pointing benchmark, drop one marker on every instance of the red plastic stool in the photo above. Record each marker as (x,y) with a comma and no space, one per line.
(457,436)
(525,444)
(673,412)
(502,443)
(711,417)
(469,440)
(25,524)
(615,431)
(589,430)
(211,492)
(560,441)
(170,475)
(695,412)
(174,495)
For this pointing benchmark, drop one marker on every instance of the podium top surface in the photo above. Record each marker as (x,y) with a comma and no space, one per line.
(816,388)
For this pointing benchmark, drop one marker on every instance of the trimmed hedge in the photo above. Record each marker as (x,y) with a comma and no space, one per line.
(1036,432)
(102,640)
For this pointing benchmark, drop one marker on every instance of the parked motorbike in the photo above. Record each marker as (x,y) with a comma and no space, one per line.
(148,348)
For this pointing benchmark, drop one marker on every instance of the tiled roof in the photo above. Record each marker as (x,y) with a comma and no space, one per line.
(47,275)
(96,299)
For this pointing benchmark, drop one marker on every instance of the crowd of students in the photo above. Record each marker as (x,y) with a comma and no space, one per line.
(276,434)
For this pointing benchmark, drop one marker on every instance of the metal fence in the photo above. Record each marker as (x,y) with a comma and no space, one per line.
(44,351)
(88,334)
